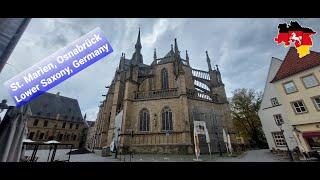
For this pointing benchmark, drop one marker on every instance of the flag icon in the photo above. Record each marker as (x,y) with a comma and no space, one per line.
(297,35)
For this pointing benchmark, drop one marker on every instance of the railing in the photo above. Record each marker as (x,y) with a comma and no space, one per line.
(201,74)
(202,96)
(156,94)
(201,85)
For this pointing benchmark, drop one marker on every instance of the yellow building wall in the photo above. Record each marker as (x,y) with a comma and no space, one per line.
(304,94)
(305,122)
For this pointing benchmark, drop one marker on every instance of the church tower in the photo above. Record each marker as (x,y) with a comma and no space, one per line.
(152,108)
(216,83)
(137,56)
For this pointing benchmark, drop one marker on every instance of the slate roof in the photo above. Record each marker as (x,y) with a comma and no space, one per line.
(292,64)
(169,54)
(50,105)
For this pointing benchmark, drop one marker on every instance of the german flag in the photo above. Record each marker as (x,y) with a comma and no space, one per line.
(299,36)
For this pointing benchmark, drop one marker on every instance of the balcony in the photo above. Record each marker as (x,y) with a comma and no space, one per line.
(156,94)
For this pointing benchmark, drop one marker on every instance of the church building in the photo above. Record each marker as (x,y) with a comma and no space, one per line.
(151,108)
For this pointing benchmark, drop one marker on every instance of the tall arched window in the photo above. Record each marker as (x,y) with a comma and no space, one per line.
(167,119)
(164,79)
(144,120)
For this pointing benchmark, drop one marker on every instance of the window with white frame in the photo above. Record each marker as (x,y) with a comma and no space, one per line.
(299,107)
(278,119)
(310,81)
(316,101)
(278,139)
(274,101)
(290,87)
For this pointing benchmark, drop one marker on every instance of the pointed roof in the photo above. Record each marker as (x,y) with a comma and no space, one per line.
(138,43)
(208,61)
(187,56)
(137,56)
(292,64)
(176,49)
(170,53)
(155,54)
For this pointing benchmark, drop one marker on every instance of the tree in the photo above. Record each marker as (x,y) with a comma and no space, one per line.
(245,104)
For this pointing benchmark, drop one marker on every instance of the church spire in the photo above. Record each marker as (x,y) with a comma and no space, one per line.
(137,56)
(217,68)
(208,61)
(176,49)
(155,54)
(187,57)
(138,44)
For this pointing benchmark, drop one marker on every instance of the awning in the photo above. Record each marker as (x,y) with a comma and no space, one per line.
(311,134)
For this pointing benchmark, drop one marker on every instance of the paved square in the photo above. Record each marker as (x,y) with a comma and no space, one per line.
(250,156)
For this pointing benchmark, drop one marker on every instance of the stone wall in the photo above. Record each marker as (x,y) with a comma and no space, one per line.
(163,149)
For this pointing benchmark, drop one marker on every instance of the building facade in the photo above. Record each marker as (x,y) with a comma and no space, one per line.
(11,29)
(155,105)
(90,135)
(271,111)
(55,117)
(297,82)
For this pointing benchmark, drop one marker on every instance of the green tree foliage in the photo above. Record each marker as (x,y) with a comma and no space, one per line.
(245,105)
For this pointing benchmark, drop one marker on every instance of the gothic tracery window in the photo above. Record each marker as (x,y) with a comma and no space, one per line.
(144,122)
(167,119)
(164,79)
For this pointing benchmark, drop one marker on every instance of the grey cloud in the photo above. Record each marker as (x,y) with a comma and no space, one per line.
(242,47)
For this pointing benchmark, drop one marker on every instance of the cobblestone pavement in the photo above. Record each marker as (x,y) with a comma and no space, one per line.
(263,155)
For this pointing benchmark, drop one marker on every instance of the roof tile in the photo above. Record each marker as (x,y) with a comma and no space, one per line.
(292,64)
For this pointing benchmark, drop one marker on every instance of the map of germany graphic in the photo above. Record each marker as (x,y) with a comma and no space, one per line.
(296,34)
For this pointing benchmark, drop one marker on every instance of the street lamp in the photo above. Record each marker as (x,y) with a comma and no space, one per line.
(279,124)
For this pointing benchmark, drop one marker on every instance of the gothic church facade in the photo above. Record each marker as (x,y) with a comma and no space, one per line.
(157,104)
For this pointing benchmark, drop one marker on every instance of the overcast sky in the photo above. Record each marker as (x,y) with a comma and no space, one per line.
(241,47)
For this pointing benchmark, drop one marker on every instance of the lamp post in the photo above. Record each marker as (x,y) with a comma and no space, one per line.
(279,124)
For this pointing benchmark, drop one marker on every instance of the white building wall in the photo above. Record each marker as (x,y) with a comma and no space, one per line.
(267,111)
